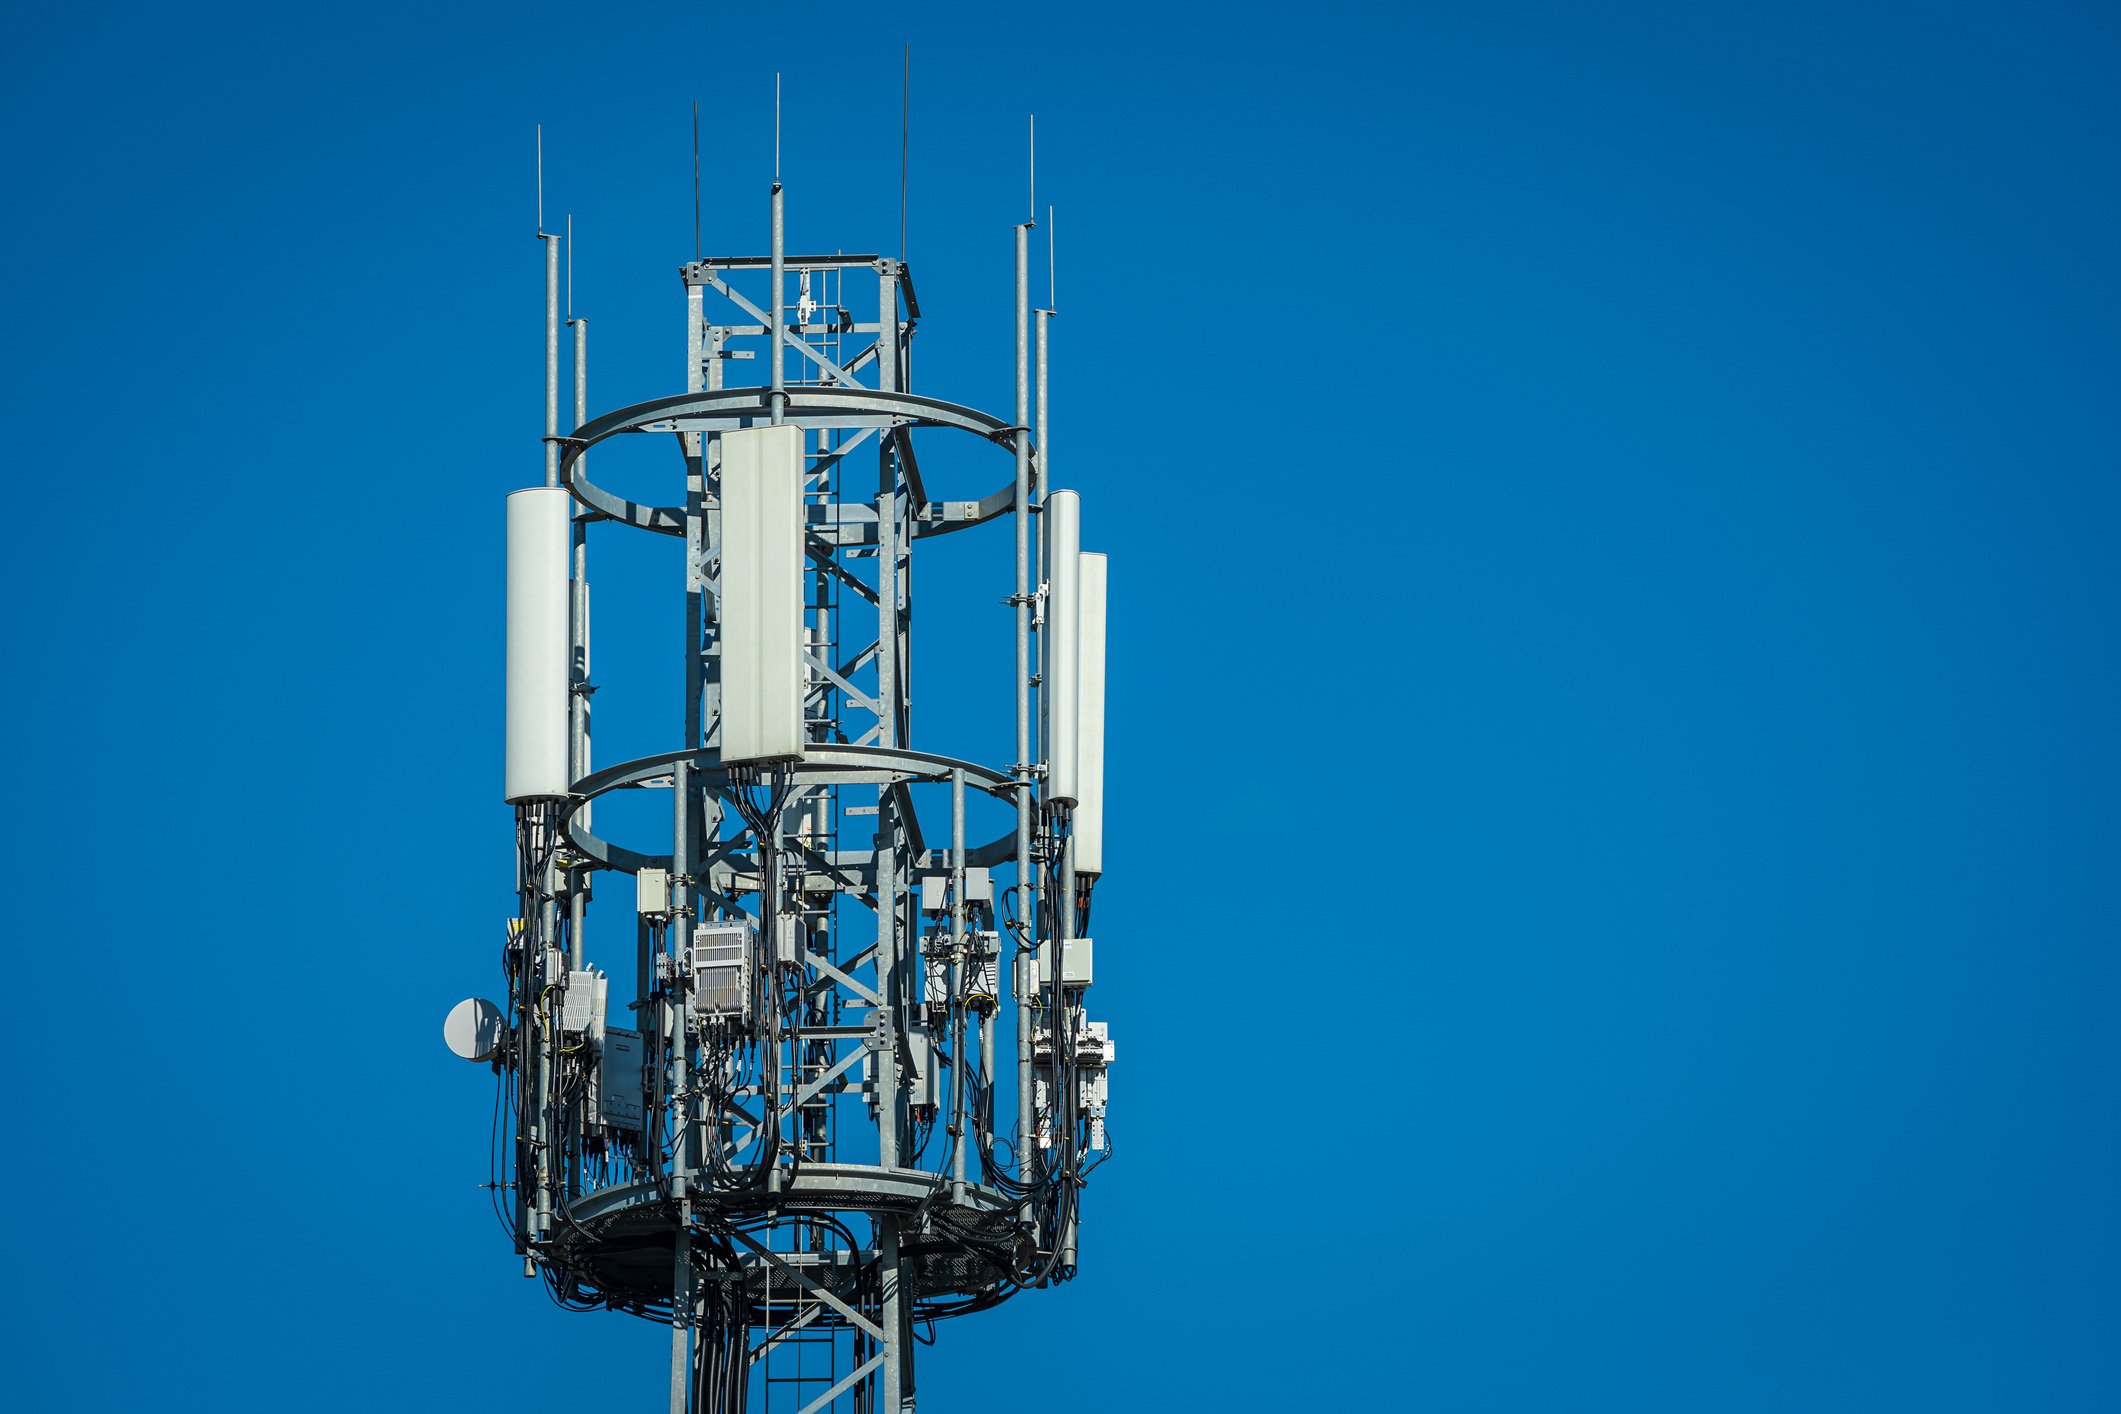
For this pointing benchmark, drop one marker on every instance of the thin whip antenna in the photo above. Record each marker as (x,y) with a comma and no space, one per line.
(905,123)
(695,179)
(1032,215)
(776,129)
(1052,281)
(541,179)
(570,267)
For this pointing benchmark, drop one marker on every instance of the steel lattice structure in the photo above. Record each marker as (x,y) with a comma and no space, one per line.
(859,1090)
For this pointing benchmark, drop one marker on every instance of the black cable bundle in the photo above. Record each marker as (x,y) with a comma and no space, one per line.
(721,1367)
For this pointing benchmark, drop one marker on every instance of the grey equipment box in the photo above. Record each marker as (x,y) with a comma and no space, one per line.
(616,1101)
(721,969)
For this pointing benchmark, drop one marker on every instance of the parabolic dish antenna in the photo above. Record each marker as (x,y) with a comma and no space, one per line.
(473,1030)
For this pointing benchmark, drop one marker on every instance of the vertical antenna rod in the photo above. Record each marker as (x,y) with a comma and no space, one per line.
(905,124)
(780,316)
(552,328)
(1039,435)
(552,359)
(695,179)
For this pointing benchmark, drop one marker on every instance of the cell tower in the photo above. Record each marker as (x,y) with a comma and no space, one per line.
(856,1089)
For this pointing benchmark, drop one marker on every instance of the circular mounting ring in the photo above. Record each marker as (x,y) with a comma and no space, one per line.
(744,407)
(824,764)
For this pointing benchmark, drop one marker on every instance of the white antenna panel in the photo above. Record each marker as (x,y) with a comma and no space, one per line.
(1059,694)
(762,594)
(1089,817)
(540,539)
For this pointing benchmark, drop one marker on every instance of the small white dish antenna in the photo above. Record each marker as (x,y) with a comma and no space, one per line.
(473,1030)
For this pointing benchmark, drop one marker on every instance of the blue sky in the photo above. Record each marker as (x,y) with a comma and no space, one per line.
(1612,520)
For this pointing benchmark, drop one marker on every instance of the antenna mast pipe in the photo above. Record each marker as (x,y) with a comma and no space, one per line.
(581,379)
(552,358)
(578,647)
(905,128)
(1045,456)
(1026,1162)
(959,1063)
(778,311)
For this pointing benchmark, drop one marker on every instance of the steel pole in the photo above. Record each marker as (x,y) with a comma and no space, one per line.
(958,1059)
(680,1161)
(894,1400)
(552,357)
(1025,890)
(546,1141)
(779,316)
(1064,1046)
(578,658)
(681,1308)
(1044,470)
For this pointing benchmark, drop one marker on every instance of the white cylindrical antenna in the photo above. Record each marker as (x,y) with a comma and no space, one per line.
(539,546)
(1089,817)
(1060,690)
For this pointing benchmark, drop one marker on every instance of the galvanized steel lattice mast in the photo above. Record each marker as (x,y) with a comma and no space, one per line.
(858,1089)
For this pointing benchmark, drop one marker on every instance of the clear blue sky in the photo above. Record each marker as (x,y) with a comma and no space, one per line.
(1614,525)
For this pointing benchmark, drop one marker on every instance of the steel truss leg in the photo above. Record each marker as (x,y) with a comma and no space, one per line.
(871,1305)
